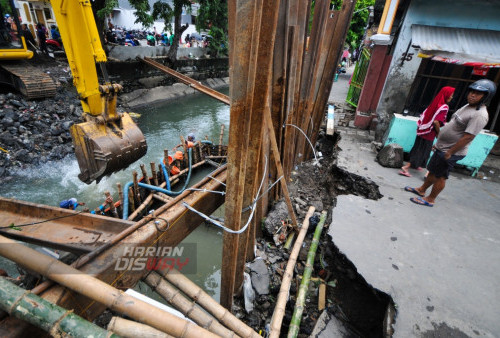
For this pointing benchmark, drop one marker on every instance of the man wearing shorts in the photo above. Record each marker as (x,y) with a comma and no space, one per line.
(454,139)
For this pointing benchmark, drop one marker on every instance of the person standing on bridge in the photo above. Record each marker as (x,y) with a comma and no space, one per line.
(454,139)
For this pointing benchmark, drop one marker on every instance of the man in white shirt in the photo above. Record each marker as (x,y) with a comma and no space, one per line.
(454,139)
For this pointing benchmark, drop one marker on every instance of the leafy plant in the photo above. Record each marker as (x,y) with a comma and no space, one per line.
(212,17)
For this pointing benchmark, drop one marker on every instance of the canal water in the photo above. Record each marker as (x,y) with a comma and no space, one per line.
(162,126)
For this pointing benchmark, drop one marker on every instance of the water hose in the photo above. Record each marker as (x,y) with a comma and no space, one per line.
(155,188)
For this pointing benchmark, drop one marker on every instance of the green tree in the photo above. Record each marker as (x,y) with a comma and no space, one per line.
(358,22)
(163,10)
(212,17)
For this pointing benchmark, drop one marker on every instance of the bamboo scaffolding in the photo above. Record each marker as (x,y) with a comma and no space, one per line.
(294,328)
(147,202)
(125,233)
(208,303)
(130,329)
(99,291)
(43,314)
(187,307)
(279,310)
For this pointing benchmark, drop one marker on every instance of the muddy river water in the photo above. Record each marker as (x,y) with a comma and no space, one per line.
(162,126)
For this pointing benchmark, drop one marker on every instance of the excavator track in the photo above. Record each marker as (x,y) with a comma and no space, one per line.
(29,80)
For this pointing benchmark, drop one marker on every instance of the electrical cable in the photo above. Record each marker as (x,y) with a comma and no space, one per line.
(44,221)
(252,207)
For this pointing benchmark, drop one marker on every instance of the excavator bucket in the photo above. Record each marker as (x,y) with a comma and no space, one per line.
(104,148)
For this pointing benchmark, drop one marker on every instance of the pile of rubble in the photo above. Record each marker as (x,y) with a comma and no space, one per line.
(34,132)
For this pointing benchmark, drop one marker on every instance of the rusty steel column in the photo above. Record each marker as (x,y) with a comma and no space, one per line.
(341,28)
(242,30)
(251,60)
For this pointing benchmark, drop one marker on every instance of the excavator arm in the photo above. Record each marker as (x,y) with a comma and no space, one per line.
(108,141)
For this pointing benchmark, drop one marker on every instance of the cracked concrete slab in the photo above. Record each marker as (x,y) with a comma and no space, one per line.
(440,265)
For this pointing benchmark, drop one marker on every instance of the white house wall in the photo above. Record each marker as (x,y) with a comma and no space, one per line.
(478,14)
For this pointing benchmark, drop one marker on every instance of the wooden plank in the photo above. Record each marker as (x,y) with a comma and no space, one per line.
(187,80)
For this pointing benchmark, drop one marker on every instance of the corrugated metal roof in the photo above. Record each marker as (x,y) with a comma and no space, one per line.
(468,45)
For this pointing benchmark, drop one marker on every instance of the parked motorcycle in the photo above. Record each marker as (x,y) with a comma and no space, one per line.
(54,46)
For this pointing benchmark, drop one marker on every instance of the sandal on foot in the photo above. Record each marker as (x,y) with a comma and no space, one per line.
(413,190)
(421,201)
(404,173)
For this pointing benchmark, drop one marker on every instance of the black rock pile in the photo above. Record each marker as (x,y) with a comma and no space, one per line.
(34,132)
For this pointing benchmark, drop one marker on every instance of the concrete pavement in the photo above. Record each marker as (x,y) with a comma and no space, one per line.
(440,265)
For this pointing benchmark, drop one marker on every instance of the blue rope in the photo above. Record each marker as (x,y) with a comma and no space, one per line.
(155,188)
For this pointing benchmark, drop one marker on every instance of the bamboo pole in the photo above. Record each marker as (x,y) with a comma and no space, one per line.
(160,172)
(279,166)
(185,157)
(130,329)
(150,197)
(141,207)
(161,198)
(194,292)
(322,297)
(294,328)
(111,205)
(145,174)
(166,162)
(153,173)
(279,310)
(120,192)
(187,307)
(99,291)
(43,314)
(196,157)
(131,201)
(220,139)
(200,150)
(137,193)
(216,157)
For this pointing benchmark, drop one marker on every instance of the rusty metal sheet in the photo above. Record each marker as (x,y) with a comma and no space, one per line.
(57,228)
(182,222)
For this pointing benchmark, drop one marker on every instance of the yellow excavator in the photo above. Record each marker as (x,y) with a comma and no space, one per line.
(108,141)
(14,70)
